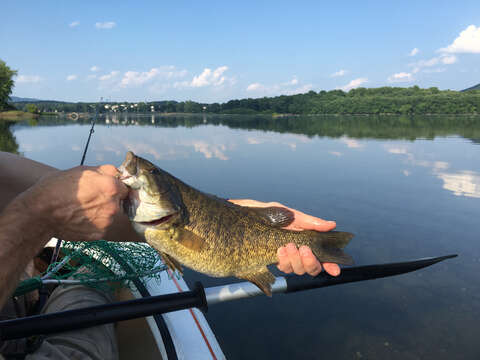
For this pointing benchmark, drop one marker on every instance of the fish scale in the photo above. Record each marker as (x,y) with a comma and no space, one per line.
(211,235)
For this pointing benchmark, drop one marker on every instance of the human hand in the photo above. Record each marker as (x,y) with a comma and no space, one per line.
(291,259)
(78,204)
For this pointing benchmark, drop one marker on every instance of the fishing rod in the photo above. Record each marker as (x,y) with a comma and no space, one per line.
(199,297)
(59,241)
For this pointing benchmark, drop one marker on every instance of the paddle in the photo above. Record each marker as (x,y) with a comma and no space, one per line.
(198,297)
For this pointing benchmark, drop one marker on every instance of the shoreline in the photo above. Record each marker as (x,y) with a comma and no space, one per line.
(17,115)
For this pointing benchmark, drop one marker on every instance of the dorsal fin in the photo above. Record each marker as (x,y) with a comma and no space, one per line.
(274,215)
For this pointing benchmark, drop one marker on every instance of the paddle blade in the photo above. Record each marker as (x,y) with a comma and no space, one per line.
(359,273)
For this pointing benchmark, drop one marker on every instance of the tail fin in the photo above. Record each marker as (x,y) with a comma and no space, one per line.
(327,247)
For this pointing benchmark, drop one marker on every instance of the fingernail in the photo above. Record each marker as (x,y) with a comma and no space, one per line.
(282,251)
(291,246)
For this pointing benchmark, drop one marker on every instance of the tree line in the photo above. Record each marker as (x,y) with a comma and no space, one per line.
(383,100)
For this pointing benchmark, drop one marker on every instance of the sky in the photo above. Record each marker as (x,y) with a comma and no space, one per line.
(215,51)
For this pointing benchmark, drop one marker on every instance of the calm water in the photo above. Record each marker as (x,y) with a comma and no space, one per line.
(407,188)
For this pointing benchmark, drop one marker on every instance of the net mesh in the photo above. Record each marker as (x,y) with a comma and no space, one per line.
(101,264)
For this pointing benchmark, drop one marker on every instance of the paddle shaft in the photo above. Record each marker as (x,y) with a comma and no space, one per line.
(101,314)
(198,297)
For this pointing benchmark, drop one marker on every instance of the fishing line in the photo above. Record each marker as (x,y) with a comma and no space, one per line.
(92,130)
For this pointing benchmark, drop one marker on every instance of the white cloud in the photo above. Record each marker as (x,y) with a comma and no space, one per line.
(109,76)
(163,73)
(94,68)
(351,143)
(442,59)
(138,78)
(209,77)
(28,79)
(72,77)
(181,84)
(449,59)
(285,88)
(294,81)
(435,70)
(467,42)
(400,77)
(354,84)
(397,150)
(255,87)
(463,183)
(209,151)
(105,25)
(269,138)
(74,24)
(339,73)
(414,52)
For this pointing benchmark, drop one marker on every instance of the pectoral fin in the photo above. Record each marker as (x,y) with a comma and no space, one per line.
(275,215)
(190,240)
(262,278)
(172,264)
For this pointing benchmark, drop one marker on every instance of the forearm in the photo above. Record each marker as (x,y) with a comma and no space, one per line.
(17,175)
(22,236)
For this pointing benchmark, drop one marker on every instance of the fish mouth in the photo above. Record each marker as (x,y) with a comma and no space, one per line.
(157,222)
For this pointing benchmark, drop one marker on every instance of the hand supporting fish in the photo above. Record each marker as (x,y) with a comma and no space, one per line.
(212,235)
(290,258)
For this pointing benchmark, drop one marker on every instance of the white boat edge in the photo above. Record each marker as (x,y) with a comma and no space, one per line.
(191,334)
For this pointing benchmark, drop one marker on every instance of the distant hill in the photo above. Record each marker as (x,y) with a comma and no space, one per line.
(476,87)
(20,99)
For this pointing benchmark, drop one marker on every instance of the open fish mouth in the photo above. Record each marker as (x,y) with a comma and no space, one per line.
(157,222)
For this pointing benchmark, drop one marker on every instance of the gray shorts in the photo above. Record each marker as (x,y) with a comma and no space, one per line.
(95,343)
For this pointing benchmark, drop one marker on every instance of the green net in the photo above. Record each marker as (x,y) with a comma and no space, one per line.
(101,264)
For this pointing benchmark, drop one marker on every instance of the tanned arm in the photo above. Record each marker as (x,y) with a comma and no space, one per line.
(19,173)
(76,204)
(21,238)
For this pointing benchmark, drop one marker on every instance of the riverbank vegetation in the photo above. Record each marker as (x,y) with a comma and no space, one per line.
(17,115)
(6,85)
(384,100)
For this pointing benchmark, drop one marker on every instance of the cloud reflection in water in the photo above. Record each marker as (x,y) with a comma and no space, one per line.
(460,183)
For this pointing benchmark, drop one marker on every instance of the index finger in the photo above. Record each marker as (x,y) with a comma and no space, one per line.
(111,171)
(303,221)
(108,170)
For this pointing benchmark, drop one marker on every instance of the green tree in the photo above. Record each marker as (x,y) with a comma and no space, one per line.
(6,84)
(31,108)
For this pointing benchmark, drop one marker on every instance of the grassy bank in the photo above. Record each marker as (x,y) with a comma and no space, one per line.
(17,115)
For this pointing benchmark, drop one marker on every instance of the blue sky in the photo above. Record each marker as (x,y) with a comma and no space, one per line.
(219,50)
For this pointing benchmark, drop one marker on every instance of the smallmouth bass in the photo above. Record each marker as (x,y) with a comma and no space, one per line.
(212,235)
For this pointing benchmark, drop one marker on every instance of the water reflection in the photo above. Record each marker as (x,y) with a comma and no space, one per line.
(460,183)
(346,127)
(464,183)
(406,189)
(352,143)
(8,142)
